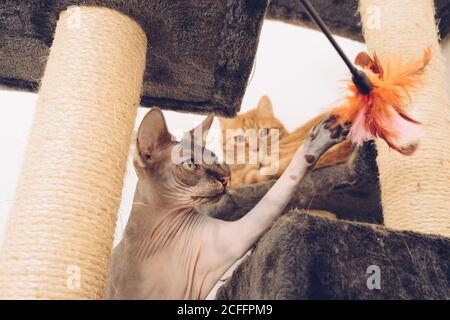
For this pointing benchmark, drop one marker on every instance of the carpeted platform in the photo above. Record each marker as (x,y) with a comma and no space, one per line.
(305,257)
(201,52)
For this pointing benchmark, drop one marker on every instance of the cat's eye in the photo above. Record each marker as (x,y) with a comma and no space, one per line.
(240,138)
(264,132)
(189,165)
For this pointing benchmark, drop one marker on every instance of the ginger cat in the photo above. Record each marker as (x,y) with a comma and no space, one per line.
(263,119)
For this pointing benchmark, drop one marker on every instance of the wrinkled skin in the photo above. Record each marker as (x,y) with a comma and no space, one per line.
(168,250)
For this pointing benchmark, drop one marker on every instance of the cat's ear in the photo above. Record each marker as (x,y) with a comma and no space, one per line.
(198,134)
(152,133)
(265,108)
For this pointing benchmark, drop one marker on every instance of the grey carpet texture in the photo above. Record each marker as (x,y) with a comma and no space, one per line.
(306,257)
(201,52)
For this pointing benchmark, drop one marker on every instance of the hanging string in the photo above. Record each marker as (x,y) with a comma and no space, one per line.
(360,79)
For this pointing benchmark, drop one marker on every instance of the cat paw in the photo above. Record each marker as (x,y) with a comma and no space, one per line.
(323,136)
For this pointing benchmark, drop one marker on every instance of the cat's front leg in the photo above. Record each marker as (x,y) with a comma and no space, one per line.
(240,235)
(324,136)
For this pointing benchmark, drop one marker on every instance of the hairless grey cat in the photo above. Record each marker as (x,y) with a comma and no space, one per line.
(168,250)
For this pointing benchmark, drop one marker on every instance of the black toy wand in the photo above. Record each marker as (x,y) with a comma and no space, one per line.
(360,79)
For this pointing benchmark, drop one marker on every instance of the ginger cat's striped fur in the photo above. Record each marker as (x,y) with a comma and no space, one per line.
(262,118)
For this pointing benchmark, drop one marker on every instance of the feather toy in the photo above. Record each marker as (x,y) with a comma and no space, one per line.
(379,92)
(381,112)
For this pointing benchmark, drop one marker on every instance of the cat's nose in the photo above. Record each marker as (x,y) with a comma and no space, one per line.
(225,180)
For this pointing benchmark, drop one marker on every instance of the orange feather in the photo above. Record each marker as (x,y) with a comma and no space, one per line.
(381,113)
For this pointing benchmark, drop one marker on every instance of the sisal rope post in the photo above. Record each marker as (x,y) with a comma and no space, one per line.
(415,190)
(59,237)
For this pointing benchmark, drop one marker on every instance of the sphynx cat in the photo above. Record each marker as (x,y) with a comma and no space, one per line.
(168,250)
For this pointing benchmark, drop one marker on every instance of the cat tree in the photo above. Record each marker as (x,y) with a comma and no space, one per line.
(59,237)
(58,242)
(102,59)
(415,192)
(304,257)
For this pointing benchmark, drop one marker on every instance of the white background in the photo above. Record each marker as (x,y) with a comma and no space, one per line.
(296,67)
